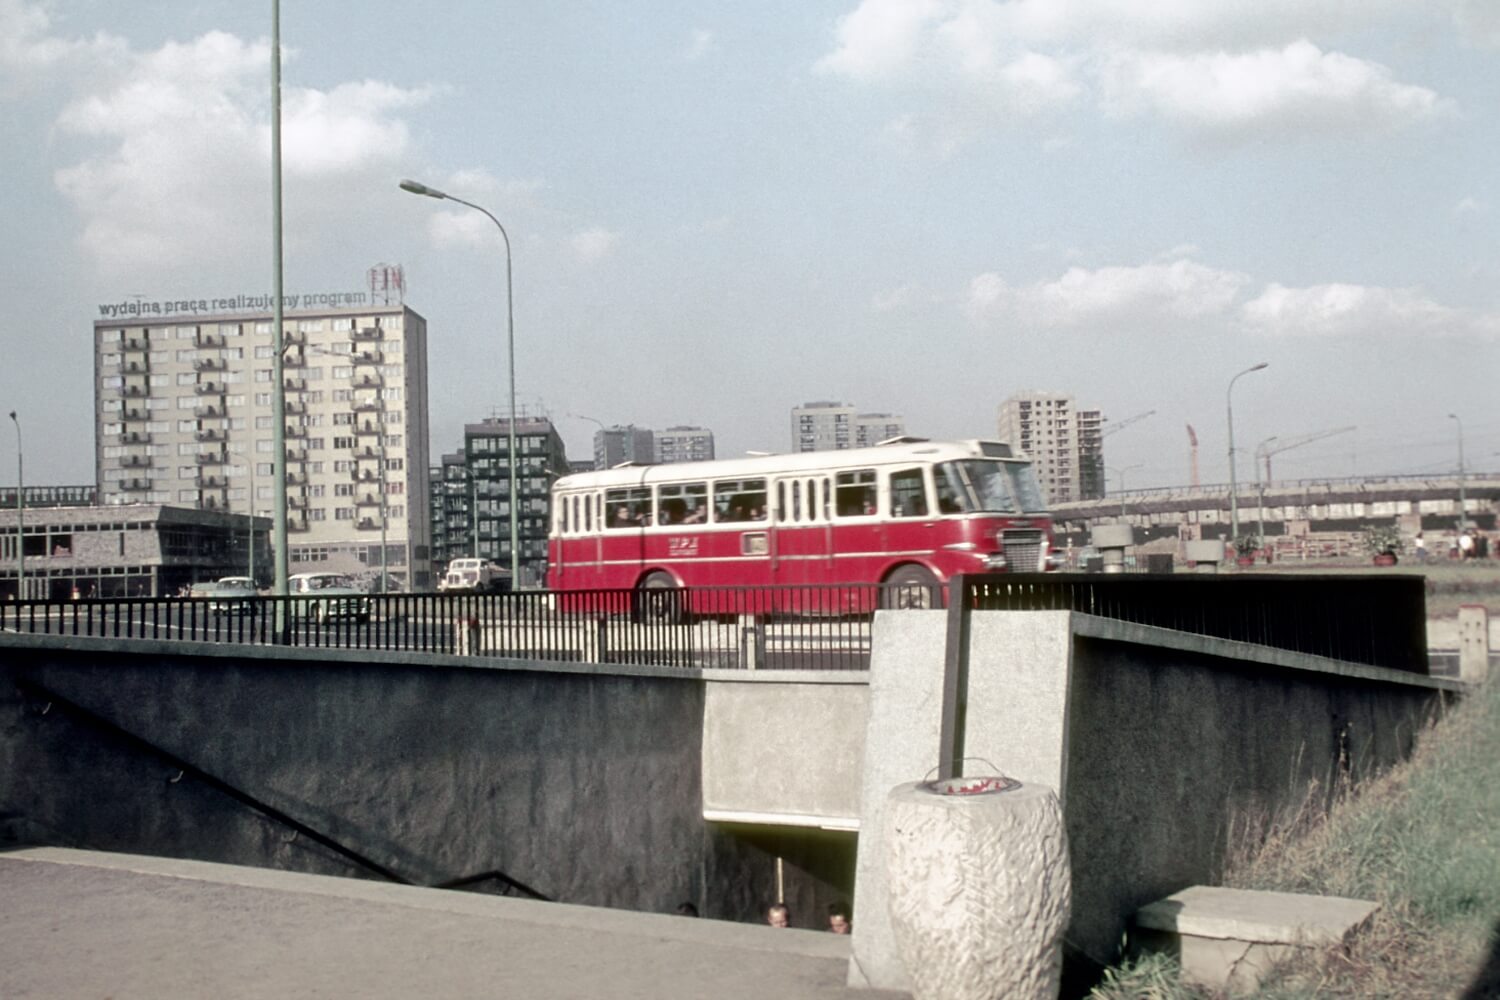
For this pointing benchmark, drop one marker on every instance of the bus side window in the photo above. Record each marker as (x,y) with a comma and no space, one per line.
(855,493)
(796,499)
(627,508)
(739,500)
(908,494)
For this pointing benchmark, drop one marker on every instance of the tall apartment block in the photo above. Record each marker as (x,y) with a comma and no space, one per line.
(873,428)
(471,494)
(684,444)
(834,426)
(184,416)
(1063,442)
(613,445)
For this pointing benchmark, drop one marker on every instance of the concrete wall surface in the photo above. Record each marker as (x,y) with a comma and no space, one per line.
(784,746)
(580,782)
(1157,741)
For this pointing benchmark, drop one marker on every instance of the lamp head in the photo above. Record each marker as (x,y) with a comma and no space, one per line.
(416,188)
(1263,364)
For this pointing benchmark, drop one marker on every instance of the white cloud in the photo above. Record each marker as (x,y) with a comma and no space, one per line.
(880,38)
(459,228)
(29,53)
(1470,206)
(1479,20)
(1234,67)
(1185,295)
(1180,289)
(1298,86)
(593,244)
(1345,310)
(700,44)
(175,168)
(335,131)
(895,298)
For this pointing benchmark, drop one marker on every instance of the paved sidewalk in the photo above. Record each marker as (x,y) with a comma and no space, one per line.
(88,924)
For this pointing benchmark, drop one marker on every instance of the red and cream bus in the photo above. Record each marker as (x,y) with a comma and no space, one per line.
(907,513)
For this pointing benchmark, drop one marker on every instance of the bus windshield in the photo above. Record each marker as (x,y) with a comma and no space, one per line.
(986,486)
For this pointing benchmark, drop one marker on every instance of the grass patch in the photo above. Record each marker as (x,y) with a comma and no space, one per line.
(1421,840)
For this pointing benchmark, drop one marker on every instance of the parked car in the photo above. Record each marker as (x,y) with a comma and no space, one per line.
(328,596)
(232,594)
(474,575)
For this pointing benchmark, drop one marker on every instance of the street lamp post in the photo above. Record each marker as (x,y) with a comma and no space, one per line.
(1234,507)
(1463,510)
(20,513)
(1261,455)
(278,339)
(510,335)
(1121,473)
(598,462)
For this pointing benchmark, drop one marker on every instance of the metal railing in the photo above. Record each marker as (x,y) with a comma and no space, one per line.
(816,628)
(1376,620)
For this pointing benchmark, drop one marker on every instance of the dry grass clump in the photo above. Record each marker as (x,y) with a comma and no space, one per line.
(1421,840)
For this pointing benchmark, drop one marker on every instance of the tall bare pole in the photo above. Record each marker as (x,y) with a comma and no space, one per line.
(1234,505)
(20,513)
(278,395)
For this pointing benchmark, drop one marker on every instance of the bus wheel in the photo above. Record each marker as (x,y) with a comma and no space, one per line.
(657,600)
(910,587)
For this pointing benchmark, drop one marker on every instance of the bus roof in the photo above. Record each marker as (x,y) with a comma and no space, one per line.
(895,453)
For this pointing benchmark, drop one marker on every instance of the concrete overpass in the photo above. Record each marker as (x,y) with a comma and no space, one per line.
(637,788)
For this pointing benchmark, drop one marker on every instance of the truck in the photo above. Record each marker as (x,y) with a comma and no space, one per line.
(473,575)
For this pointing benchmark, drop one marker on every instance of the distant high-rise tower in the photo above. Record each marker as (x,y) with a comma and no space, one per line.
(873,428)
(185,415)
(684,444)
(614,445)
(833,426)
(1064,443)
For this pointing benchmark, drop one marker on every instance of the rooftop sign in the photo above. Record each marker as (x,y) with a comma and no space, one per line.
(138,305)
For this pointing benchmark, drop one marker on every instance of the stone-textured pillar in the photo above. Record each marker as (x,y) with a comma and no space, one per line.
(1112,540)
(1473,643)
(979,891)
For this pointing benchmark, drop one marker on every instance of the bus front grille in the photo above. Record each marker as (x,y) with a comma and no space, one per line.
(1023,550)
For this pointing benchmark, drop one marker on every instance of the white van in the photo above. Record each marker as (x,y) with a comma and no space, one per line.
(472,574)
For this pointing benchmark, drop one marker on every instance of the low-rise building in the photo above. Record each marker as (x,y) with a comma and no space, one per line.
(129,550)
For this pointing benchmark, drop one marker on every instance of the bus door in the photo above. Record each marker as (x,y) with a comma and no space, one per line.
(802,545)
(911,529)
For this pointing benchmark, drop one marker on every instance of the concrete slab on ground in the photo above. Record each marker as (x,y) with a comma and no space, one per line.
(1229,938)
(82,923)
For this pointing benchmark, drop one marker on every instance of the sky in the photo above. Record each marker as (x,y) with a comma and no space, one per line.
(719,211)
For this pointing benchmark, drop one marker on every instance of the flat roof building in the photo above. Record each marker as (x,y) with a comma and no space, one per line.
(1064,443)
(684,444)
(184,416)
(129,550)
(833,426)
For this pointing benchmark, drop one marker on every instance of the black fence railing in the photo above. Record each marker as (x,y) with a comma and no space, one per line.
(1375,620)
(818,628)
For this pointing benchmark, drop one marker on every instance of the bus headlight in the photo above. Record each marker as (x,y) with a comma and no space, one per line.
(995,561)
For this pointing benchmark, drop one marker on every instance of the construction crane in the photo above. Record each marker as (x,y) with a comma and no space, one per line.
(1126,423)
(1091,467)
(1264,452)
(1193,454)
(1287,444)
